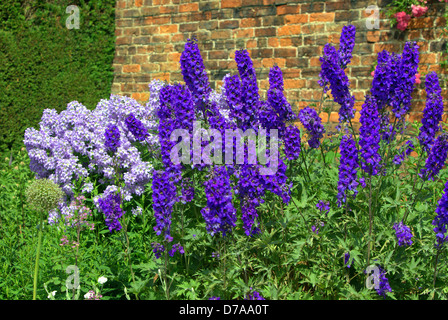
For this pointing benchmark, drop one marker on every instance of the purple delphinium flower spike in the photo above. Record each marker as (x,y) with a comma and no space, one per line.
(110,206)
(403,233)
(312,123)
(112,135)
(219,214)
(440,222)
(347,43)
(194,74)
(136,127)
(347,169)
(436,158)
(292,142)
(432,114)
(370,136)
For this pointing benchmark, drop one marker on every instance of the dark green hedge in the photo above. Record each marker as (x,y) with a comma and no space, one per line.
(43,64)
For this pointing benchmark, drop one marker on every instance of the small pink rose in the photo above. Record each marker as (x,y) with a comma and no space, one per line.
(417,78)
(372,73)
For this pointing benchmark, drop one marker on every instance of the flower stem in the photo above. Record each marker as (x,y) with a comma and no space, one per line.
(36,265)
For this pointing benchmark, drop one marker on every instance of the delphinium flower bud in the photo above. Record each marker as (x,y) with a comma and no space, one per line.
(403,233)
(136,127)
(432,114)
(370,136)
(219,214)
(312,123)
(110,206)
(112,135)
(436,158)
(440,222)
(292,142)
(347,169)
(43,195)
(194,74)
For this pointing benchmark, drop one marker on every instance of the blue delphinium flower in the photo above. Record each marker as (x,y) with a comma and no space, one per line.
(339,83)
(219,214)
(249,89)
(432,114)
(136,127)
(214,298)
(312,123)
(347,262)
(194,74)
(347,169)
(110,206)
(344,54)
(282,111)
(176,247)
(292,142)
(254,295)
(157,249)
(323,206)
(347,43)
(370,136)
(112,135)
(436,158)
(408,66)
(403,233)
(440,222)
(164,196)
(383,285)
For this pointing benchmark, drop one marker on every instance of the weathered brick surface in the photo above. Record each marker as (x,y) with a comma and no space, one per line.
(151,34)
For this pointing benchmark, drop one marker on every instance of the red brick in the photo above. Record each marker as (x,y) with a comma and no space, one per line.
(244,33)
(288,9)
(189,7)
(138,3)
(273,42)
(170,28)
(289,30)
(373,36)
(131,68)
(297,18)
(230,3)
(322,17)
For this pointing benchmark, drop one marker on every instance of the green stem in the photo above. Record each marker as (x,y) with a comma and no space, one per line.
(36,265)
(370,221)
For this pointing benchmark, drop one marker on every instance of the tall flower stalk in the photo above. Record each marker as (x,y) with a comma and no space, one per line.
(44,195)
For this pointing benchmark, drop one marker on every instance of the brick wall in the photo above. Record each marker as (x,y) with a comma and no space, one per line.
(151,34)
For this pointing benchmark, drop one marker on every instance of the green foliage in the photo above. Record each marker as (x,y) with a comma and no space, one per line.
(43,64)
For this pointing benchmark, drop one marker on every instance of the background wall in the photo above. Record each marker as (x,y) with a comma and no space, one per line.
(151,35)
